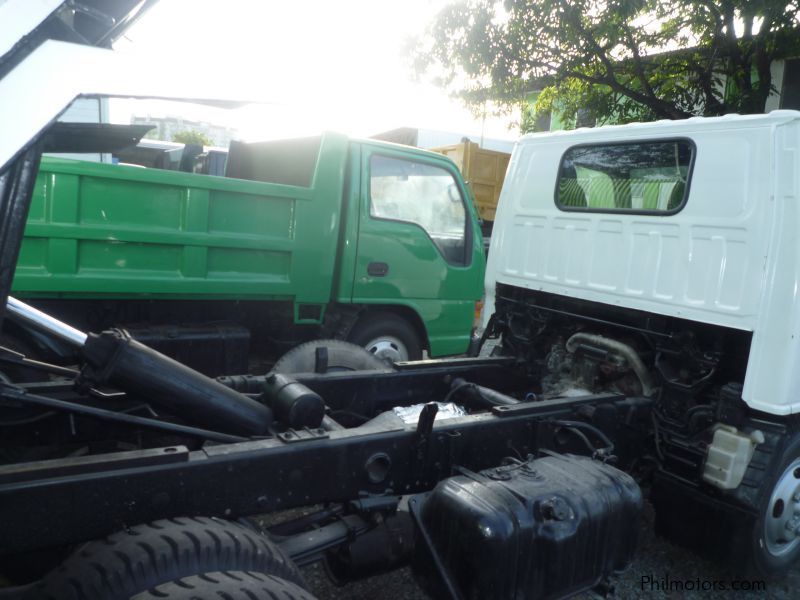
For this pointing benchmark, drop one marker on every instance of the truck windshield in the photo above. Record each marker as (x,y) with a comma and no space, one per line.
(419,193)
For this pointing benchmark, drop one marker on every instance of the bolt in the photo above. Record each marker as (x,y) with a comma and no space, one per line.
(796,497)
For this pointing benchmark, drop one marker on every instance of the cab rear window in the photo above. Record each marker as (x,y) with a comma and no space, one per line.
(639,177)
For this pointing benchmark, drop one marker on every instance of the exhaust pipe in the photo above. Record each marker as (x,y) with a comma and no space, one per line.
(624,350)
(114,357)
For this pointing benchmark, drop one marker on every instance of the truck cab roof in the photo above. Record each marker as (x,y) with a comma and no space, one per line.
(664,127)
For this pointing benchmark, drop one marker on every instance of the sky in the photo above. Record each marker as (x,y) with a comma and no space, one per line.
(313,65)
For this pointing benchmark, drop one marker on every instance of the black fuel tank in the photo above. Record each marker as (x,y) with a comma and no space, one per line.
(545,528)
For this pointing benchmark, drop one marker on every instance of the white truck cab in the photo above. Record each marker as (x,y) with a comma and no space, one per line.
(663,260)
(693,219)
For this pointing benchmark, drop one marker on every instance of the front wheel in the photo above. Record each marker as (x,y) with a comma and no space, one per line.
(388,337)
(775,544)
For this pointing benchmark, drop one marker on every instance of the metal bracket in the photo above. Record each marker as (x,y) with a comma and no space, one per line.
(425,426)
(321,360)
(293,436)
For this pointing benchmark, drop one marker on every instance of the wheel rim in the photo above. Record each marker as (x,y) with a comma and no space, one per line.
(387,348)
(782,518)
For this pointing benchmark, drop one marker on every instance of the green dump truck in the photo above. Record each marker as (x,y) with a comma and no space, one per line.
(327,236)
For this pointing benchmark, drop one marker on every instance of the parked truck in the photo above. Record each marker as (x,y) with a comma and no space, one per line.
(660,260)
(484,170)
(329,237)
(642,286)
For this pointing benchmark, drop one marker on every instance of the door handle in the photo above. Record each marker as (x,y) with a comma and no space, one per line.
(377,269)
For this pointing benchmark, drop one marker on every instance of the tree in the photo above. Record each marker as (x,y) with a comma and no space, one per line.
(192,136)
(612,60)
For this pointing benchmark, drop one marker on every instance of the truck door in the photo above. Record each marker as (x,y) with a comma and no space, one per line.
(416,243)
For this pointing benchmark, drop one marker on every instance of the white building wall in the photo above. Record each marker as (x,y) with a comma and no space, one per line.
(774,100)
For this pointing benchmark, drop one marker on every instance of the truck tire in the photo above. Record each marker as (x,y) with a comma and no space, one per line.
(342,356)
(227,585)
(775,548)
(387,336)
(145,556)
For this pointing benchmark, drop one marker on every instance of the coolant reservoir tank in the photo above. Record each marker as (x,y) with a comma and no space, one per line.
(728,456)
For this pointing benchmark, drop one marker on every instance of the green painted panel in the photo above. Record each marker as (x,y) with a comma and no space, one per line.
(194,262)
(33,257)
(128,260)
(196,215)
(37,210)
(230,263)
(251,214)
(108,230)
(130,204)
(62,256)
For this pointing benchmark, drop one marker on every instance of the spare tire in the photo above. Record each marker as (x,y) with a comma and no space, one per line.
(342,356)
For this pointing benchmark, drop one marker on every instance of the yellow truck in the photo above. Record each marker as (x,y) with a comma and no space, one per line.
(484,170)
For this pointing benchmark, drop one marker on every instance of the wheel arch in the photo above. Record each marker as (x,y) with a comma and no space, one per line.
(407,313)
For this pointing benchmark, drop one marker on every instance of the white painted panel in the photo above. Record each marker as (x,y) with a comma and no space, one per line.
(642,261)
(777,69)
(607,255)
(575,244)
(536,246)
(20,17)
(513,252)
(772,382)
(656,258)
(704,256)
(720,269)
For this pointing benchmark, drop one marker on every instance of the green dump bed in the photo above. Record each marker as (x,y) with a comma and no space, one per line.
(116,231)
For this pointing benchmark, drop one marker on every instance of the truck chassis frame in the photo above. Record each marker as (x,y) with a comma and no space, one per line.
(297,468)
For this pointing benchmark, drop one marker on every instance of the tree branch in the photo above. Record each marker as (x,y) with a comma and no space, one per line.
(637,63)
(660,107)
